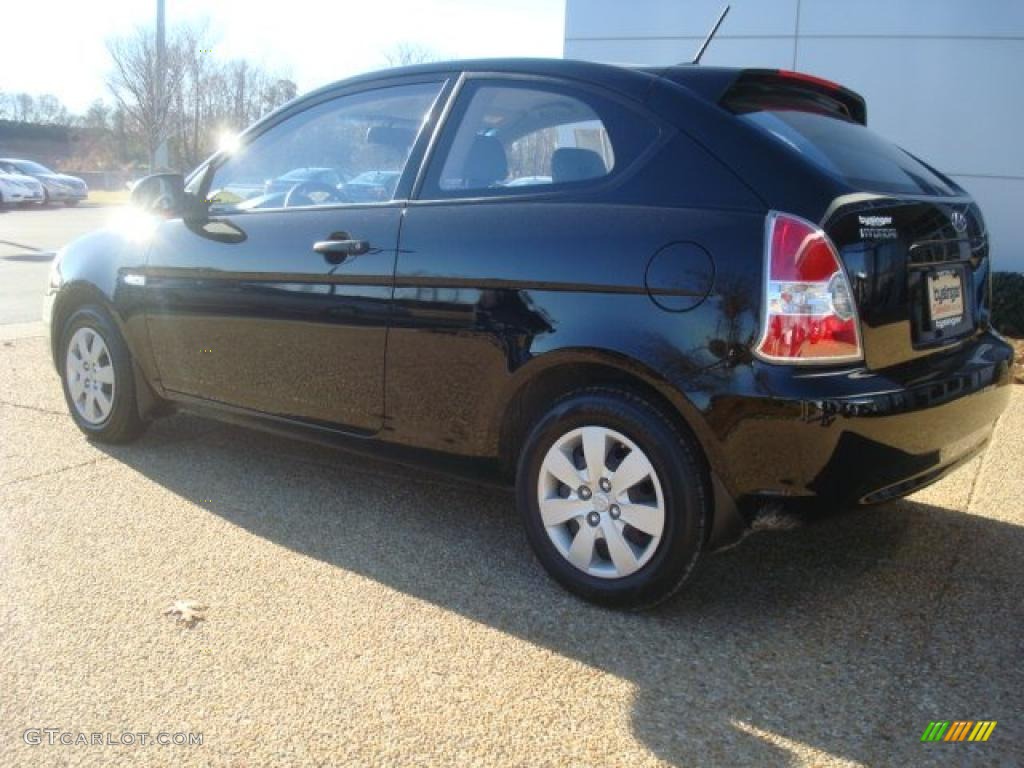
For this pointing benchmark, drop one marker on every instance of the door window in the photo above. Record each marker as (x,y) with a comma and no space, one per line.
(517,137)
(352,149)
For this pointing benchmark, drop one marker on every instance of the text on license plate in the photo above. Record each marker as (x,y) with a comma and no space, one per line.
(945,298)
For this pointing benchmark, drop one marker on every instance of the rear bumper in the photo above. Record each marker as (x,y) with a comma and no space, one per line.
(860,438)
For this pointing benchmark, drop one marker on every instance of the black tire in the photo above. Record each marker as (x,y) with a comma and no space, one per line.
(123,423)
(674,457)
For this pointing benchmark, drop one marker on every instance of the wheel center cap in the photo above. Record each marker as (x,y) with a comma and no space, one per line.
(601,502)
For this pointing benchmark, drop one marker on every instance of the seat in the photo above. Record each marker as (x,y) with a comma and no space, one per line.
(486,163)
(570,164)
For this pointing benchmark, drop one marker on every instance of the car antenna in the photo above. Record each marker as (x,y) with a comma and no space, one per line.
(711,34)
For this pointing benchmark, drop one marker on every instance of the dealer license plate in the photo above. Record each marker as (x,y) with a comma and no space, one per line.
(945,298)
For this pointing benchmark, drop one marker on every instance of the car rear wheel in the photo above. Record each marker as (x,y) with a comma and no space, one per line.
(98,379)
(613,499)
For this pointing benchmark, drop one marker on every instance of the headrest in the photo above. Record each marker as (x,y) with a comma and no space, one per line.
(572,164)
(486,163)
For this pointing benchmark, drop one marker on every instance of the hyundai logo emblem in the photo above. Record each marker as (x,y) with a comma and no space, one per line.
(959,221)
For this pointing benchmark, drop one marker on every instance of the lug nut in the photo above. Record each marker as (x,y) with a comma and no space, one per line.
(594,519)
(614,511)
(584,492)
(605,484)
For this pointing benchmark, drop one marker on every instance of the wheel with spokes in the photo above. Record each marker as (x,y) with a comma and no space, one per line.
(99,384)
(613,498)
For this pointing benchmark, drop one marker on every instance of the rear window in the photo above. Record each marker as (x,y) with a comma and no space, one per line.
(850,151)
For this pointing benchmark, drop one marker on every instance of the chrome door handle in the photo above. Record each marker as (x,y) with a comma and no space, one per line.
(341,247)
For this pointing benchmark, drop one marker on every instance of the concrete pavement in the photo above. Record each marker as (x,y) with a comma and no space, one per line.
(363,615)
(28,239)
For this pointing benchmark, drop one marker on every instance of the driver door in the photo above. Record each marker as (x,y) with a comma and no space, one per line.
(279,302)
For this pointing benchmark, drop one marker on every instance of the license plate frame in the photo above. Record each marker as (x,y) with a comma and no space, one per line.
(944,289)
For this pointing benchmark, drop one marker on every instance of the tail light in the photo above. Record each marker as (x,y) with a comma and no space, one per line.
(809,312)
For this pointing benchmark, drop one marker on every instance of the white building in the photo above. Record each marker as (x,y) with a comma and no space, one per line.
(943,78)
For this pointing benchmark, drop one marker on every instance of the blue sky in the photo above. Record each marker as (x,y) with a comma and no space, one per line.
(57,46)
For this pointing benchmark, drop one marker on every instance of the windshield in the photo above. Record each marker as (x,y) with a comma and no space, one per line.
(28,166)
(852,152)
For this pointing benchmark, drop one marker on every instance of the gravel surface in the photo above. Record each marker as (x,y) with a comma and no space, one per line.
(1018,358)
(358,614)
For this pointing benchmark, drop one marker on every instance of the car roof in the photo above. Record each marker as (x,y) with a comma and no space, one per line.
(16,160)
(634,82)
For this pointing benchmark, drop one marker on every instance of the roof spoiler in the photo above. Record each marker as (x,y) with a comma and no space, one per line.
(761,87)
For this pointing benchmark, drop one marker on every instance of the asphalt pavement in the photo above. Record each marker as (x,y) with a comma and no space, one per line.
(29,237)
(360,614)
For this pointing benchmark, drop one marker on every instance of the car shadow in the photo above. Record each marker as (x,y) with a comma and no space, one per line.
(846,635)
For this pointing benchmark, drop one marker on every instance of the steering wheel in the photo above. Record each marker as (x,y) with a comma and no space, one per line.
(300,194)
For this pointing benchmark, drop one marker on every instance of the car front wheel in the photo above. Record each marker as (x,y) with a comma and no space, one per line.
(98,379)
(612,496)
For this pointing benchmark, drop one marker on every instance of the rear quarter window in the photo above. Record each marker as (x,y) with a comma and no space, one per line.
(851,152)
(509,138)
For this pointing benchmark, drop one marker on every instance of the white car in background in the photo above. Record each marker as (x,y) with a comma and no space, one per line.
(57,187)
(16,188)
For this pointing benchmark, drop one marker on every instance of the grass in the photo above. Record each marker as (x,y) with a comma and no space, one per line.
(108,197)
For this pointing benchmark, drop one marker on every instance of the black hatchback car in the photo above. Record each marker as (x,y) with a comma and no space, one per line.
(657,299)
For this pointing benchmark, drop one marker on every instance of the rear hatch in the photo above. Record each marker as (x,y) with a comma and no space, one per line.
(913,243)
(919,270)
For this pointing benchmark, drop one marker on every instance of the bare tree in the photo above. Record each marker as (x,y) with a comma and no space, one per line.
(23,107)
(203,95)
(134,84)
(6,106)
(196,44)
(46,109)
(279,92)
(406,53)
(51,111)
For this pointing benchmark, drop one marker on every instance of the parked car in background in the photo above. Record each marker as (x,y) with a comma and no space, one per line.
(371,186)
(716,290)
(300,176)
(11,192)
(16,188)
(57,187)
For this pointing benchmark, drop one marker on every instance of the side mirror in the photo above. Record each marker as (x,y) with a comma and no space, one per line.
(162,194)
